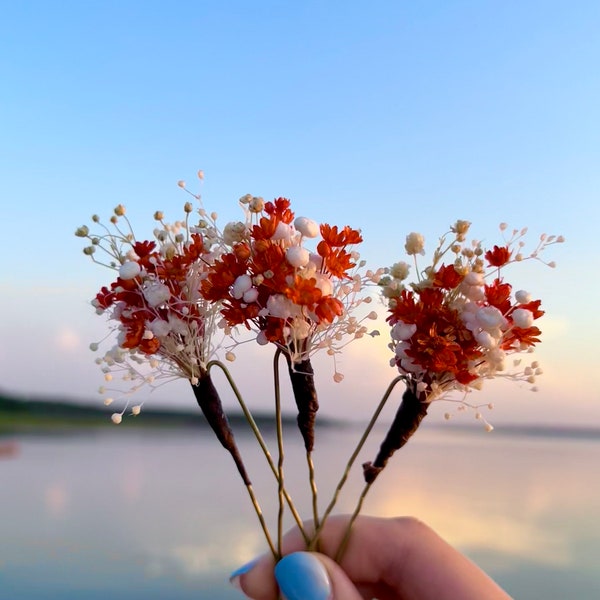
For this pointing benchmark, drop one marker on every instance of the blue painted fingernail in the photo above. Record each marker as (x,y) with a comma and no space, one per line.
(302,576)
(234,578)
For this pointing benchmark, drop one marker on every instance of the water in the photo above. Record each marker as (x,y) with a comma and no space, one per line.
(158,514)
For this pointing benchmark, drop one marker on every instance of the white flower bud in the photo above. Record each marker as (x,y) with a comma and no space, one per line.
(300,329)
(415,244)
(241,285)
(522,318)
(400,270)
(490,318)
(116,418)
(403,331)
(156,293)
(159,327)
(297,256)
(256,205)
(485,340)
(234,232)
(250,296)
(307,227)
(283,232)
(324,284)
(473,278)
(522,297)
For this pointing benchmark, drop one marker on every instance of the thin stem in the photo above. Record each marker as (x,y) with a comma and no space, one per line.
(280,488)
(342,547)
(313,487)
(353,458)
(262,521)
(261,441)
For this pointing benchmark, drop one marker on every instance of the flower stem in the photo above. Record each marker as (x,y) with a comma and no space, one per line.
(262,521)
(261,442)
(353,458)
(313,488)
(280,487)
(342,547)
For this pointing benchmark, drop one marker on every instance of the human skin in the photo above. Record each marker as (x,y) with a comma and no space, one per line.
(388,559)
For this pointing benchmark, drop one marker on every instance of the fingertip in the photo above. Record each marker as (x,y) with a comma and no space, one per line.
(235,577)
(313,576)
(255,578)
(302,576)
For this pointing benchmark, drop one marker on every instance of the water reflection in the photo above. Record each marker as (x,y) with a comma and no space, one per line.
(159,514)
(8,449)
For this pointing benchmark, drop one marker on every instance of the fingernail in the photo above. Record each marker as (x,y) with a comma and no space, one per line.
(302,576)
(234,578)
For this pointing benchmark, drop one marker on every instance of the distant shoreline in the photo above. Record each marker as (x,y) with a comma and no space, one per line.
(19,414)
(22,415)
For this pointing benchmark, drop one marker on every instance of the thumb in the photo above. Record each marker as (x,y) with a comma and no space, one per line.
(313,576)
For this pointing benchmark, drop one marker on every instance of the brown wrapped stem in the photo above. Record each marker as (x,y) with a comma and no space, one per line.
(410,413)
(305,394)
(210,403)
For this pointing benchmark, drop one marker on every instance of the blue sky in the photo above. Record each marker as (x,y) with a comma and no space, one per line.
(388,116)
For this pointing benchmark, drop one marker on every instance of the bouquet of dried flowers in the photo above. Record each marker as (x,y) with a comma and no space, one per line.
(179,300)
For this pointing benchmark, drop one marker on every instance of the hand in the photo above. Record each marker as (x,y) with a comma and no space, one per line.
(388,559)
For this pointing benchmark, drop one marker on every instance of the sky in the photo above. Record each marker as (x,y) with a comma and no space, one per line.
(387,116)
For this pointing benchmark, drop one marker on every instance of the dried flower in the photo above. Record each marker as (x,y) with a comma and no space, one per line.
(154,303)
(455,327)
(295,297)
(415,244)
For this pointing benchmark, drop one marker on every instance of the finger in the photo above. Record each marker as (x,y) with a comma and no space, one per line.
(313,576)
(257,579)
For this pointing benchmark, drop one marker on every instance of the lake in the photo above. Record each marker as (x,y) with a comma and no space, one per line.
(132,513)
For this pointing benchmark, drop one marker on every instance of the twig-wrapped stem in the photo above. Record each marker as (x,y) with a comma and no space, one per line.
(411,412)
(210,403)
(305,395)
